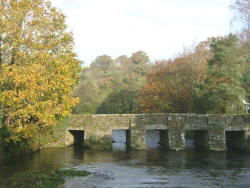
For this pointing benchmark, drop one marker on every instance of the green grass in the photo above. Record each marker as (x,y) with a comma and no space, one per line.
(44,179)
(71,172)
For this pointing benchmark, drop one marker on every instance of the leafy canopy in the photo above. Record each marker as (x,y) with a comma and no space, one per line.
(38,68)
(222,91)
(170,87)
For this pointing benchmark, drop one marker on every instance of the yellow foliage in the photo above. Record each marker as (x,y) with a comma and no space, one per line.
(38,68)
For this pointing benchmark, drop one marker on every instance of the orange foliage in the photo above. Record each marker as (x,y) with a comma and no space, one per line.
(170,87)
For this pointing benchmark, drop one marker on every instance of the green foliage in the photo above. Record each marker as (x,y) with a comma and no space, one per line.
(55,137)
(140,61)
(124,101)
(71,172)
(140,58)
(111,86)
(246,84)
(244,49)
(90,93)
(12,148)
(46,139)
(44,179)
(222,91)
(104,62)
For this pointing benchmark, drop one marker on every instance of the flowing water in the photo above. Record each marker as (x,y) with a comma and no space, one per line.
(139,168)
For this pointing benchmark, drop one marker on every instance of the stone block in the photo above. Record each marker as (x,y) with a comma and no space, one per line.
(176,132)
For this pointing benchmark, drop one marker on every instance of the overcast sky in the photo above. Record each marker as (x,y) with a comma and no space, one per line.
(159,27)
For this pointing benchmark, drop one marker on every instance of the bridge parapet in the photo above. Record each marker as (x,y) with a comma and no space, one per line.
(172,126)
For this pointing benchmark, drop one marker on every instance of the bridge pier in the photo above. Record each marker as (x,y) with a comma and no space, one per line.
(217,139)
(138,138)
(248,140)
(216,133)
(176,133)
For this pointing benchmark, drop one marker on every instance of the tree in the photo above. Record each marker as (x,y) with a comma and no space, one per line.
(123,101)
(171,85)
(242,8)
(246,83)
(100,84)
(140,58)
(244,49)
(222,90)
(89,95)
(140,62)
(38,69)
(103,62)
(121,60)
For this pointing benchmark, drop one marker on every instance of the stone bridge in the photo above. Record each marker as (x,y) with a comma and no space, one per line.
(213,132)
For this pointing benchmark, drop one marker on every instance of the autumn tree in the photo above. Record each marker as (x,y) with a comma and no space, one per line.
(38,70)
(171,85)
(103,62)
(242,15)
(222,91)
(121,60)
(140,62)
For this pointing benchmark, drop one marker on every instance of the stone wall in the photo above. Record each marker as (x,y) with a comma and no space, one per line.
(98,128)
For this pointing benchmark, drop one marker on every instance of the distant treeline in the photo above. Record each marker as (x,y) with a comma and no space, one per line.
(212,77)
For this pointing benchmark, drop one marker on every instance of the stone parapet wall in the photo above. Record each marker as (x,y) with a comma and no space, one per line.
(99,127)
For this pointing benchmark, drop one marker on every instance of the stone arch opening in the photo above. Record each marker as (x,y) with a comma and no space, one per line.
(196,139)
(77,138)
(121,138)
(235,140)
(157,138)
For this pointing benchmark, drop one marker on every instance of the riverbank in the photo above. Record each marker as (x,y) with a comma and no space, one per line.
(54,139)
(42,179)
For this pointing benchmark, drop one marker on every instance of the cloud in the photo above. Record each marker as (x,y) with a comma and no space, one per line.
(159,27)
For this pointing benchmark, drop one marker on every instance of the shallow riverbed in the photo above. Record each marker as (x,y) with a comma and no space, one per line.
(139,168)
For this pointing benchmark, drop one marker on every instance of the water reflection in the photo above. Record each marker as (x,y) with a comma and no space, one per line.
(153,138)
(119,140)
(140,168)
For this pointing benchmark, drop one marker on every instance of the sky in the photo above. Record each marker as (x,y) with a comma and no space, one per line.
(161,28)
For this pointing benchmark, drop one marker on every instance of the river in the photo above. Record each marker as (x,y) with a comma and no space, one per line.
(139,168)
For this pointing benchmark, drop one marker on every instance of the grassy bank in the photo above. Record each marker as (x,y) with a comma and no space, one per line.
(44,179)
